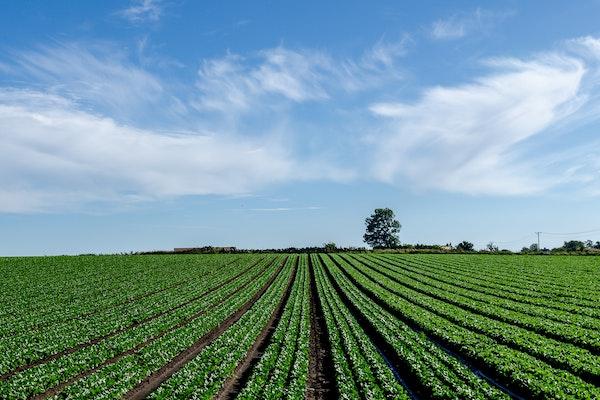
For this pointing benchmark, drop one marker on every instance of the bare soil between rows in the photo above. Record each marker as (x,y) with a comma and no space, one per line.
(58,388)
(321,372)
(151,383)
(478,368)
(242,373)
(135,324)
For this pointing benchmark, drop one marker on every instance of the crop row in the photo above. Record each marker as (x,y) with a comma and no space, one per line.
(558,354)
(489,306)
(64,295)
(516,369)
(473,288)
(23,349)
(569,287)
(361,371)
(48,375)
(282,370)
(431,371)
(116,379)
(205,375)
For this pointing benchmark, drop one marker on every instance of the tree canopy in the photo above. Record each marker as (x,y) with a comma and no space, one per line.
(465,246)
(382,229)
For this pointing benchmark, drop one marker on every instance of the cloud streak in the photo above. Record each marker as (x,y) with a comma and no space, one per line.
(460,25)
(463,138)
(141,11)
(53,152)
(89,126)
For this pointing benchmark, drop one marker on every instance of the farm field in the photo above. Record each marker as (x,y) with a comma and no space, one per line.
(295,326)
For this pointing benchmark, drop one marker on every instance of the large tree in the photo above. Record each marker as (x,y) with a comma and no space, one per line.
(465,246)
(382,229)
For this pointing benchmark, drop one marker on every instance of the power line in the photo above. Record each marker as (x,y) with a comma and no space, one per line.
(571,233)
(515,241)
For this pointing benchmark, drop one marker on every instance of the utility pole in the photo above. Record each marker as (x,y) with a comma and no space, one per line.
(538,235)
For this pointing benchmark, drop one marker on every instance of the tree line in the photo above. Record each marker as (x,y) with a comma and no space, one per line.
(382,232)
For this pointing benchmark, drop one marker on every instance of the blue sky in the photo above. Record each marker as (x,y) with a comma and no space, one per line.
(155,124)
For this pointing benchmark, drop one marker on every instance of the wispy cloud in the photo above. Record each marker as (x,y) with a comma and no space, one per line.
(463,24)
(234,83)
(54,154)
(98,75)
(465,138)
(91,126)
(142,11)
(230,83)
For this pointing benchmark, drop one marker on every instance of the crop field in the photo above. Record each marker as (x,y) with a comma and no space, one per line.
(295,326)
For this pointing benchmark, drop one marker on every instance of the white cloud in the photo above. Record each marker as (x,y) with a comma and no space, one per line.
(448,29)
(233,83)
(91,126)
(97,76)
(462,24)
(143,11)
(465,138)
(56,156)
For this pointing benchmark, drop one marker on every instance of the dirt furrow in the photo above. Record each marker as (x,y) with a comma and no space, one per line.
(58,388)
(150,384)
(321,371)
(240,376)
(477,368)
(98,339)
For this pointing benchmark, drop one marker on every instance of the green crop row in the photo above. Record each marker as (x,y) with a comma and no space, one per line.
(558,278)
(432,371)
(490,307)
(579,361)
(63,295)
(516,369)
(23,349)
(116,379)
(361,371)
(473,289)
(204,376)
(282,370)
(48,375)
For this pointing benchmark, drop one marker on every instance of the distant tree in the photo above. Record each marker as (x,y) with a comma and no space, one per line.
(589,244)
(465,246)
(330,247)
(382,229)
(534,248)
(492,247)
(574,245)
(597,245)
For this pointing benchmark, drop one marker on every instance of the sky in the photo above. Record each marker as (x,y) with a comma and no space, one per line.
(148,124)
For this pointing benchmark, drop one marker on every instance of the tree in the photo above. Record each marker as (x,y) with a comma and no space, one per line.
(589,244)
(534,248)
(492,247)
(382,229)
(574,245)
(465,246)
(330,247)
(597,245)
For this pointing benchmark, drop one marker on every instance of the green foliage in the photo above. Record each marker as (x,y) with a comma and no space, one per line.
(103,324)
(465,246)
(492,247)
(574,245)
(329,247)
(382,229)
